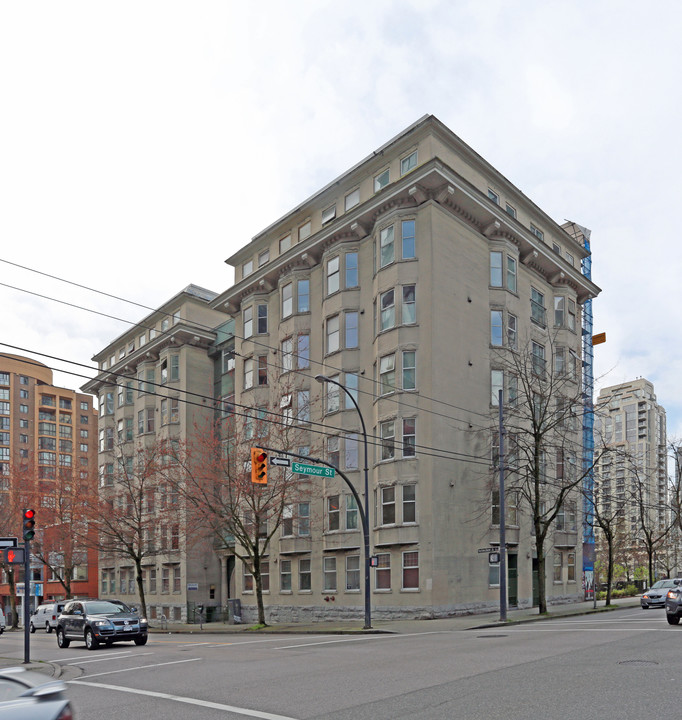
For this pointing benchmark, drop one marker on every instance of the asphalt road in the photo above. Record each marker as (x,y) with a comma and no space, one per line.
(623,664)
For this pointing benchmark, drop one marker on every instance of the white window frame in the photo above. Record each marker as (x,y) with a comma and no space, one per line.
(287,300)
(387,374)
(333,334)
(408,163)
(386,246)
(382,179)
(352,199)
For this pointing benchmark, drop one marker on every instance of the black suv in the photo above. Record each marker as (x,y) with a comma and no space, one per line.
(673,605)
(99,621)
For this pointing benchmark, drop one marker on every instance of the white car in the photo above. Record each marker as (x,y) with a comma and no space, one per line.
(655,596)
(46,616)
(2,622)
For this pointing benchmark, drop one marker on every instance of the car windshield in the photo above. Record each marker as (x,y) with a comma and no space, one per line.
(662,584)
(106,608)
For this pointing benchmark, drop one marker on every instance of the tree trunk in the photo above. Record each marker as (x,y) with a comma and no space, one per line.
(259,590)
(140,587)
(609,572)
(542,578)
(13,598)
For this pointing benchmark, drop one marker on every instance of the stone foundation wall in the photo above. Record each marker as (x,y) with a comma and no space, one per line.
(280,614)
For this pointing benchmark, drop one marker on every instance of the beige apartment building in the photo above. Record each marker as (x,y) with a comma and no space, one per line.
(631,422)
(402,280)
(405,279)
(155,383)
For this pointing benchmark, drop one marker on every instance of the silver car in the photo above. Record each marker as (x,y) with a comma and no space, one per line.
(655,595)
(28,695)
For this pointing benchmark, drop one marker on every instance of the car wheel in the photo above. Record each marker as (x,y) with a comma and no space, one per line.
(141,640)
(48,628)
(62,641)
(672,619)
(90,640)
(32,628)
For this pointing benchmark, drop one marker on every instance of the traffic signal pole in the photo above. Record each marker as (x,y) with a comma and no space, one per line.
(27,601)
(28,523)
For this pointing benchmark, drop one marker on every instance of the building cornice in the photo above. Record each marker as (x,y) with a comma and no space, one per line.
(433,181)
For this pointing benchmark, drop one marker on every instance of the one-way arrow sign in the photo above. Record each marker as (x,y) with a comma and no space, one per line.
(284,462)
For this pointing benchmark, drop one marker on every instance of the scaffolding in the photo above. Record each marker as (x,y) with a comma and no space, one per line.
(582,236)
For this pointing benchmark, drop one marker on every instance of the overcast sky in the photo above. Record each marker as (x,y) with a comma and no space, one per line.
(142,143)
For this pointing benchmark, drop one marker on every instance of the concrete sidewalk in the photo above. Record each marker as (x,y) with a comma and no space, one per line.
(456,622)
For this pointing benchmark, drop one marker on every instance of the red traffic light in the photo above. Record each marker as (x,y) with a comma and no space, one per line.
(29,524)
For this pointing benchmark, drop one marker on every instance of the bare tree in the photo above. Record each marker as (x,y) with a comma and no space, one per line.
(653,516)
(543,423)
(66,533)
(124,519)
(17,492)
(609,514)
(222,501)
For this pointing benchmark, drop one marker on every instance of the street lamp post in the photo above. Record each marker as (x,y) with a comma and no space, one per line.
(365,518)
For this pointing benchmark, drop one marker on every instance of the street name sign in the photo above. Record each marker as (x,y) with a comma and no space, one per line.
(8,542)
(487,550)
(282,462)
(301,469)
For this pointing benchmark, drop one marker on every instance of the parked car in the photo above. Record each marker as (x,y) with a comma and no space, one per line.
(28,695)
(99,621)
(655,596)
(673,605)
(3,624)
(45,616)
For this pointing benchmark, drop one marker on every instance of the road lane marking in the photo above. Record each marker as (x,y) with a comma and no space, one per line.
(196,643)
(187,700)
(363,637)
(105,659)
(139,667)
(247,642)
(79,657)
(579,630)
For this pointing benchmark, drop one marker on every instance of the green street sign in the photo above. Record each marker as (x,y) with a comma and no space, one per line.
(301,469)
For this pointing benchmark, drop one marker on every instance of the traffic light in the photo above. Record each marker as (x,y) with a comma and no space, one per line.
(13,555)
(29,524)
(259,466)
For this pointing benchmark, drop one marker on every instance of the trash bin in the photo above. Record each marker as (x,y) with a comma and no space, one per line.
(234,609)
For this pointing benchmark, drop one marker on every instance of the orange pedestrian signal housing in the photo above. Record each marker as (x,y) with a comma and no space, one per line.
(259,466)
